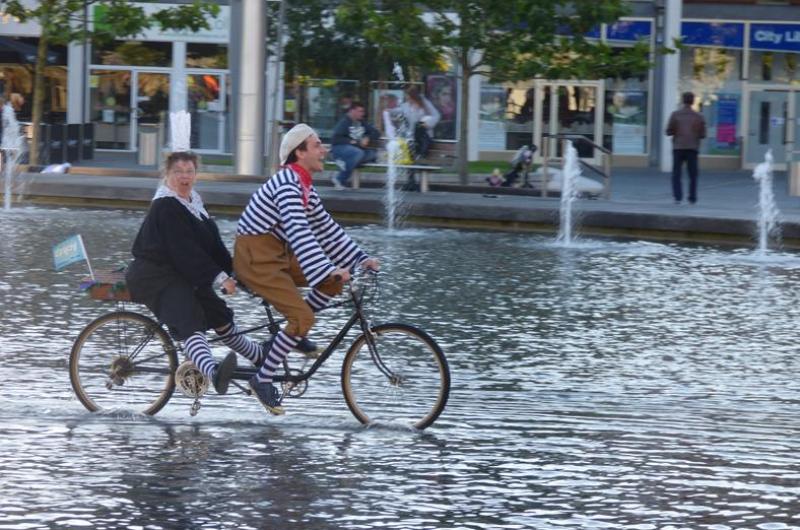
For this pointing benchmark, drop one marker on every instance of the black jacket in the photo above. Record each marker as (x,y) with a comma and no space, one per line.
(173,242)
(351,132)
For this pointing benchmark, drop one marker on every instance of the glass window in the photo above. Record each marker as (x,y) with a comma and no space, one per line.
(324,102)
(133,53)
(206,56)
(776,67)
(713,75)
(110,100)
(505,116)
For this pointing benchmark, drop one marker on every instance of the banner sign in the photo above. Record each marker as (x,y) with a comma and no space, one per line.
(718,34)
(727,115)
(775,37)
(629,30)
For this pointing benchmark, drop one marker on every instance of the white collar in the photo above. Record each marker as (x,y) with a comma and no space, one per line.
(194,204)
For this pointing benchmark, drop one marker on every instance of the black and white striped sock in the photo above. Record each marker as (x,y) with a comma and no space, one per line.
(242,344)
(317,300)
(280,348)
(199,352)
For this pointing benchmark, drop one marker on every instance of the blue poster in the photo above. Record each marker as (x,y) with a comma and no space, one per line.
(727,114)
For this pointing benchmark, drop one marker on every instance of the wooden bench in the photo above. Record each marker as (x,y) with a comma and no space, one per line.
(424,171)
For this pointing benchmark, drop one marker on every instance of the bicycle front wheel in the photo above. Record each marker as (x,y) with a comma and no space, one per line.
(123,361)
(396,374)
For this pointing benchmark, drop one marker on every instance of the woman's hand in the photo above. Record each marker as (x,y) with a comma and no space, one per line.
(371,264)
(229,286)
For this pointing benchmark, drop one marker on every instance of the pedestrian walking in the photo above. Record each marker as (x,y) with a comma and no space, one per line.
(687,127)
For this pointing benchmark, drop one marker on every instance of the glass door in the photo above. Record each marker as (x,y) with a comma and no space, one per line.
(207,104)
(110,104)
(569,108)
(152,102)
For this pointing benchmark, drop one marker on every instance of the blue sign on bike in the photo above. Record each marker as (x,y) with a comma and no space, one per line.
(69,251)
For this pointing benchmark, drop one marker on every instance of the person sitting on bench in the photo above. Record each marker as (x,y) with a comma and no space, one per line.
(352,144)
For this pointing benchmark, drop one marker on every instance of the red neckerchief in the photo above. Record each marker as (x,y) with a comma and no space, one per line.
(305,180)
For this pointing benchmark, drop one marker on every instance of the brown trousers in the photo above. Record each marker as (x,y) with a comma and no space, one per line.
(268,267)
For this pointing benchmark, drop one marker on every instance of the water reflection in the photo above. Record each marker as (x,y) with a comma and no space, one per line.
(609,385)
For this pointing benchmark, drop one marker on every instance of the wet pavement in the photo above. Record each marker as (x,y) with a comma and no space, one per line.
(610,384)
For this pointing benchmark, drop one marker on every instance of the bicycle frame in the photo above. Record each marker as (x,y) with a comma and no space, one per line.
(244,374)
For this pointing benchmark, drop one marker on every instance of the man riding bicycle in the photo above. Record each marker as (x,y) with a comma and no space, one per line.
(285,239)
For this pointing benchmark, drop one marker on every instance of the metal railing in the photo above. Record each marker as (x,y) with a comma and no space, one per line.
(549,149)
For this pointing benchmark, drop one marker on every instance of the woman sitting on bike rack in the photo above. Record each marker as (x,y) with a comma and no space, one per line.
(179,258)
(287,239)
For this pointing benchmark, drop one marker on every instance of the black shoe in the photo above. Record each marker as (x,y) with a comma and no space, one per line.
(268,395)
(308,348)
(223,373)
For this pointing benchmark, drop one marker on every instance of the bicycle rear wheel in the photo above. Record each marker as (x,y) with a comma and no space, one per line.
(405,379)
(123,360)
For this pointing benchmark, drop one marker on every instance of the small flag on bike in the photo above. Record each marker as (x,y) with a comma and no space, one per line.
(69,251)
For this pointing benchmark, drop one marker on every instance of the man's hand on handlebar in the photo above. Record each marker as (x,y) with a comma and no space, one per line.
(372,264)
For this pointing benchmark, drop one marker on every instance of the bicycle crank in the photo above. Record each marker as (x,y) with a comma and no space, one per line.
(190,381)
(294,388)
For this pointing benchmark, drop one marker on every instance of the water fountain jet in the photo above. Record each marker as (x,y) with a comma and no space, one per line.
(569,192)
(11,147)
(768,226)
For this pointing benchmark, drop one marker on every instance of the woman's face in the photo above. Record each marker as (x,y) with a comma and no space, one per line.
(181,177)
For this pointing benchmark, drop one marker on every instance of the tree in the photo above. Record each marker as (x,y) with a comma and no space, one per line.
(61,22)
(512,40)
(331,38)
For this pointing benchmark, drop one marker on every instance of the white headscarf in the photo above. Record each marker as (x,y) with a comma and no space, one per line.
(194,204)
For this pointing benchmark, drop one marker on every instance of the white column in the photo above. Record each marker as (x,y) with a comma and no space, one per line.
(473,115)
(670,78)
(76,83)
(178,92)
(248,151)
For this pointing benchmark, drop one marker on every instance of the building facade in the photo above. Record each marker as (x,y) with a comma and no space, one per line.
(741,58)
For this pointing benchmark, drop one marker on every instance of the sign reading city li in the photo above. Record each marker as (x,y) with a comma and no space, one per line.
(776,37)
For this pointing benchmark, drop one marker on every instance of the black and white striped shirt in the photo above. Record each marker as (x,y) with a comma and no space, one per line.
(319,243)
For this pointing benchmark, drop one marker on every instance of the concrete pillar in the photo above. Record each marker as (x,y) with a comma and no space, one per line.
(249,85)
(473,116)
(76,83)
(669,79)
(235,32)
(178,92)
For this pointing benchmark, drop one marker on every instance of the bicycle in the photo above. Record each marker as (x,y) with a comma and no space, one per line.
(391,371)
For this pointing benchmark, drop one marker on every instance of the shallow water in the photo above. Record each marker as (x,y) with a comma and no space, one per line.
(605,385)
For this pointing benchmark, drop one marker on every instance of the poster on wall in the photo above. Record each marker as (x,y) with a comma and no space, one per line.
(491,127)
(727,112)
(628,111)
(441,91)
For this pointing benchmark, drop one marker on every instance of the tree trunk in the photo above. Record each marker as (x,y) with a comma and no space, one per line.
(38,95)
(462,162)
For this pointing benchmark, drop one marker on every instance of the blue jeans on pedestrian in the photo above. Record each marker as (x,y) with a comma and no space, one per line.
(689,156)
(352,157)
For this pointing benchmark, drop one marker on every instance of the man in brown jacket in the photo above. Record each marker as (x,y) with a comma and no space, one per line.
(687,128)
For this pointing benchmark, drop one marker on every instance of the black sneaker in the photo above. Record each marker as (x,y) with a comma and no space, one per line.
(308,348)
(268,395)
(223,373)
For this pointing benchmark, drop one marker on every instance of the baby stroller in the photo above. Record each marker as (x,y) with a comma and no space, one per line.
(520,166)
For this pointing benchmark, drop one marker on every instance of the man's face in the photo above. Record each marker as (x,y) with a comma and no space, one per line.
(313,158)
(356,113)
